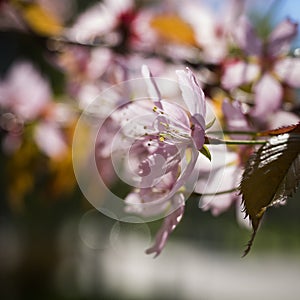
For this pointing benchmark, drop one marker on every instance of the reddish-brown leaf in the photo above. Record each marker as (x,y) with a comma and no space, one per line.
(272,174)
(281,130)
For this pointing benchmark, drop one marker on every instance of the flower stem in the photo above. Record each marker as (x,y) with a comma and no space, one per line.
(237,132)
(215,141)
(217,193)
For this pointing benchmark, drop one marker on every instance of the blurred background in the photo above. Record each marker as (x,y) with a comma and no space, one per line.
(56,56)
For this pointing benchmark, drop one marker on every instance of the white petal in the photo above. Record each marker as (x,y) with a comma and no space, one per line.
(50,139)
(268,95)
(283,118)
(239,73)
(192,94)
(152,87)
(95,21)
(288,70)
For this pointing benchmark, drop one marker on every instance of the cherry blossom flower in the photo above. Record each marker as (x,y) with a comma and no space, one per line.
(269,68)
(173,132)
(161,143)
(162,165)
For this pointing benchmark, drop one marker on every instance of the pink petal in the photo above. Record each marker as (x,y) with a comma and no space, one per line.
(238,73)
(246,37)
(281,37)
(99,62)
(105,136)
(187,172)
(192,94)
(175,115)
(198,133)
(153,194)
(169,224)
(235,119)
(288,69)
(152,170)
(135,204)
(25,90)
(268,95)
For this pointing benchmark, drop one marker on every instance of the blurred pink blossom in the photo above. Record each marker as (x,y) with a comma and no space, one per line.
(269,70)
(49,139)
(24,91)
(224,177)
(26,95)
(212,29)
(111,21)
(95,21)
(221,191)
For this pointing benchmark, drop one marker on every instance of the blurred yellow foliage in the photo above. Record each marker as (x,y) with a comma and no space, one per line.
(41,20)
(32,173)
(20,175)
(63,178)
(173,28)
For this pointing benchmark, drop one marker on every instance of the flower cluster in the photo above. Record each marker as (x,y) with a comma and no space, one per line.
(163,139)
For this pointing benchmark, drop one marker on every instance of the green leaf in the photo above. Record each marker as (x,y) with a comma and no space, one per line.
(205,151)
(272,174)
(210,124)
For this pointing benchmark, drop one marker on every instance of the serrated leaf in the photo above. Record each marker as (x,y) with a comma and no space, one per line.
(205,151)
(272,174)
(281,130)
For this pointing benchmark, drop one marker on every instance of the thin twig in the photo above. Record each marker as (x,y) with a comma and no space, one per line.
(217,193)
(215,141)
